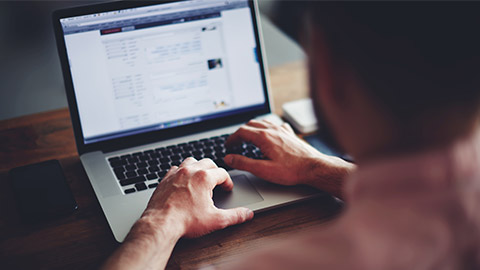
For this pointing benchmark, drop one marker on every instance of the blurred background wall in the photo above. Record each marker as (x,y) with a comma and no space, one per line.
(30,75)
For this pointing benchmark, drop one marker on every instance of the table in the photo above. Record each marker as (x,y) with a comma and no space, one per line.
(83,240)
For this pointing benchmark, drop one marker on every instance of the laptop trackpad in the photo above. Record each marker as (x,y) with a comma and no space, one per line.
(243,193)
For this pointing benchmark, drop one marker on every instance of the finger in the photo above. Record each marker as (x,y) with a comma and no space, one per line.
(172,170)
(261,168)
(229,217)
(218,176)
(257,124)
(204,164)
(288,127)
(269,123)
(188,161)
(245,134)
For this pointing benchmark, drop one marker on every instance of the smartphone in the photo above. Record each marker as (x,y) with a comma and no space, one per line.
(41,191)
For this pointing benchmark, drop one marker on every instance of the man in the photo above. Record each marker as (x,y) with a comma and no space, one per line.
(397,83)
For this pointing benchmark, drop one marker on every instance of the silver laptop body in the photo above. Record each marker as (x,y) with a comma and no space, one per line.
(144,79)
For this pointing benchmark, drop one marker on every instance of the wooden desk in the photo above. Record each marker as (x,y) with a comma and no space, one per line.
(83,240)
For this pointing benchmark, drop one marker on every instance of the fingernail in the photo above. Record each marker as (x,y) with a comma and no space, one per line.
(228,159)
(249,213)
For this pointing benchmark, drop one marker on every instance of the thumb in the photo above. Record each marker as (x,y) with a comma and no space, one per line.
(229,217)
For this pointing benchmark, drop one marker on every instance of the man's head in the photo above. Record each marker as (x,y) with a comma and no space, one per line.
(391,76)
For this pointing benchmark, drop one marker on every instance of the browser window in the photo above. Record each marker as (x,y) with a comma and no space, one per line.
(157,67)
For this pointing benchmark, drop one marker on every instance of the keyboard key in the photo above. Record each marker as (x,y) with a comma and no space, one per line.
(176,163)
(219,155)
(209,144)
(175,157)
(210,156)
(155,155)
(186,155)
(126,156)
(132,160)
(142,171)
(113,159)
(160,149)
(161,174)
(137,154)
(119,169)
(166,152)
(116,163)
(165,167)
(147,152)
(154,185)
(143,157)
(164,160)
(154,169)
(142,165)
(187,148)
(196,145)
(153,162)
(235,150)
(120,175)
(197,153)
(177,150)
(151,176)
(133,180)
(140,186)
(131,174)
(221,164)
(130,168)
(130,190)
(207,150)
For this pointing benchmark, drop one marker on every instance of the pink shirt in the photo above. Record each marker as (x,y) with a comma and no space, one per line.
(420,211)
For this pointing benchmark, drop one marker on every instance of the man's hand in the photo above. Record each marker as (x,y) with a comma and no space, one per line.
(181,206)
(290,161)
(185,195)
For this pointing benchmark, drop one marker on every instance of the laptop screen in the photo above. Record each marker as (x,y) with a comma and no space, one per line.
(156,67)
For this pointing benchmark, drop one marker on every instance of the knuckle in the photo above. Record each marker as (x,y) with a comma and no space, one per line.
(209,162)
(184,171)
(264,134)
(222,170)
(242,130)
(201,175)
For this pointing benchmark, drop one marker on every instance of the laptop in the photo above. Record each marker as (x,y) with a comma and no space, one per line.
(152,83)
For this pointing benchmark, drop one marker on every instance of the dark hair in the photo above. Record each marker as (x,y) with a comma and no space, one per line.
(414,57)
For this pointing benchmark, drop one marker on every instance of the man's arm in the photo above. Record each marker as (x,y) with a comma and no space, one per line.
(148,245)
(290,161)
(181,206)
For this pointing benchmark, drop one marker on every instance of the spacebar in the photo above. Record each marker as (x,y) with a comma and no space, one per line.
(133,180)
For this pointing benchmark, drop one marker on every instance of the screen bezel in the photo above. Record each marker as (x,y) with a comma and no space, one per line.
(157,135)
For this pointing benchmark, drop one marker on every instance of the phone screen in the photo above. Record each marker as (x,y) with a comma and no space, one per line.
(41,191)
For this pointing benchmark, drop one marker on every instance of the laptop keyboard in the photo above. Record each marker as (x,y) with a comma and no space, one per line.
(143,170)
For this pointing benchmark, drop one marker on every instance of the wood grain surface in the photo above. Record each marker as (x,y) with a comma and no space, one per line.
(83,240)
